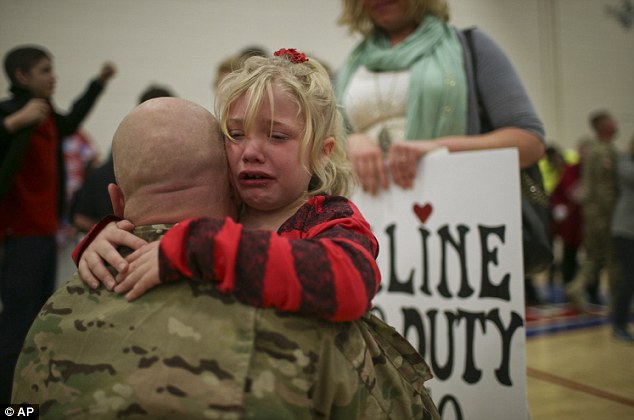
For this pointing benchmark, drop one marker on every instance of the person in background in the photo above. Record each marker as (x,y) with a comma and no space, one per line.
(552,165)
(91,202)
(565,203)
(184,350)
(235,61)
(623,236)
(415,84)
(80,158)
(225,67)
(32,191)
(599,178)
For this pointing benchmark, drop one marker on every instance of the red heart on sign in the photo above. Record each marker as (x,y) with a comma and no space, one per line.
(423,212)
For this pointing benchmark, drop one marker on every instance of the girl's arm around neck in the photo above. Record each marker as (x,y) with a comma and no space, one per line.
(320,264)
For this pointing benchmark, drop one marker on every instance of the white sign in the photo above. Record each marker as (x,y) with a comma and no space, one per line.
(452,282)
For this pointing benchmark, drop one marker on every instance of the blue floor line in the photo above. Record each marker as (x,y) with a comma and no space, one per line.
(560,326)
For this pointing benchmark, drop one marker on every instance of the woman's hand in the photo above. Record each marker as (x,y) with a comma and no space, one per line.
(103,250)
(367,162)
(403,158)
(143,273)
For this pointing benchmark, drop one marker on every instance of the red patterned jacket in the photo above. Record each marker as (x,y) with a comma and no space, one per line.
(320,263)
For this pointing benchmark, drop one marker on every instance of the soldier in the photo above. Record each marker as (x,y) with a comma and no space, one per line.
(184,350)
(599,180)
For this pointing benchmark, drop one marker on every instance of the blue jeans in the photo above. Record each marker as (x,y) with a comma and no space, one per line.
(27,280)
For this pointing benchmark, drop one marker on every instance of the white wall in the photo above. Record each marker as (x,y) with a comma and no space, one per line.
(571,55)
(596,68)
(178,43)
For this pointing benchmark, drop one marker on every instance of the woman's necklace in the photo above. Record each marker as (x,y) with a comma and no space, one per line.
(384,107)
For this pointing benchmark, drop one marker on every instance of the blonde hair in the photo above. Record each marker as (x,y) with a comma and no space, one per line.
(309,85)
(355,17)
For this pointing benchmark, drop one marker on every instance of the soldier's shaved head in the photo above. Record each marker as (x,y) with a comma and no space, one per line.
(170,164)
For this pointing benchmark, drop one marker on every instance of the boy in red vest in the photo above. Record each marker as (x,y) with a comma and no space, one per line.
(32,182)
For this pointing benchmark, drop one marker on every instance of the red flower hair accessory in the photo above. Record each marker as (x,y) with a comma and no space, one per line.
(291,54)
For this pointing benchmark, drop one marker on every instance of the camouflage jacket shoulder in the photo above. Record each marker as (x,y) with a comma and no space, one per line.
(184,350)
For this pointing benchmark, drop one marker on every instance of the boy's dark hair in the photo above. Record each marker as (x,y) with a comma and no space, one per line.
(23,58)
(597,116)
(155,91)
(252,51)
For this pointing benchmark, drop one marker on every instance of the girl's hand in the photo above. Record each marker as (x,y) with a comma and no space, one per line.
(143,272)
(367,162)
(103,250)
(403,160)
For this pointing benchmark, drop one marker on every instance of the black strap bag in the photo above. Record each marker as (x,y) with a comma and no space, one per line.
(536,239)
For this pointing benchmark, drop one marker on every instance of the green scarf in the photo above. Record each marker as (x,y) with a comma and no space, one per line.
(434,55)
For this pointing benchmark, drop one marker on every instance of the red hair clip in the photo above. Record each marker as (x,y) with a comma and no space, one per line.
(291,54)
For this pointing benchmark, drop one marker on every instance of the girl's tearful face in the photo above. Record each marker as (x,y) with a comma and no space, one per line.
(266,167)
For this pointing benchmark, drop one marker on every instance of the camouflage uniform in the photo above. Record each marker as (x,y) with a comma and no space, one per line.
(600,183)
(186,351)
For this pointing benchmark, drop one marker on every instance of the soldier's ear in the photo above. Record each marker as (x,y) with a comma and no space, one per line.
(117,198)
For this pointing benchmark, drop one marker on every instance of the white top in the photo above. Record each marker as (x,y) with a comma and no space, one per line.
(377,100)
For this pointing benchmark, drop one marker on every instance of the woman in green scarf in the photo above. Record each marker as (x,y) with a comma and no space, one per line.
(415,84)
